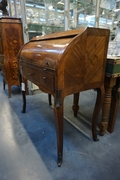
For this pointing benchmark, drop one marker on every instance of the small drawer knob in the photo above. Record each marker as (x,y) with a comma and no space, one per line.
(44,78)
(47,63)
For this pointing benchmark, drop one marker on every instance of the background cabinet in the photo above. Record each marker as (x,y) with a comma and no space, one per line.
(11,40)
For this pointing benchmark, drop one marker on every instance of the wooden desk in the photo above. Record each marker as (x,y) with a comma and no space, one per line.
(66,63)
(112,95)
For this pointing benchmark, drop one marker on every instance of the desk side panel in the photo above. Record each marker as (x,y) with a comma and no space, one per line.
(83,63)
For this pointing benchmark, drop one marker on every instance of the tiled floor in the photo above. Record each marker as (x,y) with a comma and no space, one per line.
(28,141)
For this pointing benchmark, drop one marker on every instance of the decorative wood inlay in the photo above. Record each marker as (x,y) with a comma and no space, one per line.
(11,40)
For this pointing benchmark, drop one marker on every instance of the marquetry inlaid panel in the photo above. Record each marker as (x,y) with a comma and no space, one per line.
(11,40)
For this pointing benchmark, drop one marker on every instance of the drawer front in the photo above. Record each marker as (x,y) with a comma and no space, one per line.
(113,67)
(31,74)
(39,77)
(47,81)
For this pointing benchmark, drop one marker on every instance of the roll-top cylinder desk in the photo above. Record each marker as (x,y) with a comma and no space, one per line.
(11,40)
(66,63)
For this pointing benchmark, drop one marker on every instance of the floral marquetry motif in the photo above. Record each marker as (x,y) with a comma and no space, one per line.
(12,69)
(11,40)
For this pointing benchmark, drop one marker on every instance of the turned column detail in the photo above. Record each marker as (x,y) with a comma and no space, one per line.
(109,83)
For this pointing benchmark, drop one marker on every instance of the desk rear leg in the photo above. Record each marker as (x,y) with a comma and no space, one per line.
(75,106)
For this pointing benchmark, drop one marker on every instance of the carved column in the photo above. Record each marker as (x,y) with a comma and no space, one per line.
(109,83)
(114,106)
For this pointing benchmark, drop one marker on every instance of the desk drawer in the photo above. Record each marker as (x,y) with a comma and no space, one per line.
(31,74)
(38,76)
(113,67)
(47,81)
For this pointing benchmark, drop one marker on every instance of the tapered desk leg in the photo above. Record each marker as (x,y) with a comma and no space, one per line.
(58,112)
(109,83)
(114,106)
(23,88)
(75,106)
(24,102)
(98,105)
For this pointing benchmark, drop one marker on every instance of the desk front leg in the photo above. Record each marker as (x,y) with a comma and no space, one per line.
(109,83)
(24,90)
(58,112)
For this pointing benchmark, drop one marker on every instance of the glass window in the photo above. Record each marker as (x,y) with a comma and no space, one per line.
(48,16)
(82,13)
(108,16)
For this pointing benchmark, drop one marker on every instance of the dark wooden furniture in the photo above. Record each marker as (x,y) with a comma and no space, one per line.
(112,95)
(66,63)
(11,40)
